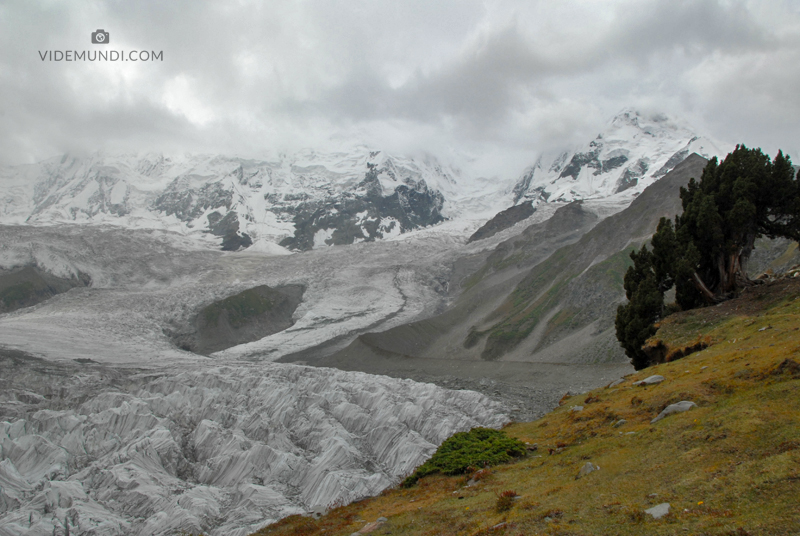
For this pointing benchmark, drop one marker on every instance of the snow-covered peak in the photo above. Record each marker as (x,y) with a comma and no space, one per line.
(634,150)
(300,200)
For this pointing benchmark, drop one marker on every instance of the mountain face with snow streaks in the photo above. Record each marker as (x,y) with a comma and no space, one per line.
(635,150)
(301,201)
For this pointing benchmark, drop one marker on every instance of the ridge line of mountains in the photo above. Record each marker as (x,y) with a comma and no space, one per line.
(310,199)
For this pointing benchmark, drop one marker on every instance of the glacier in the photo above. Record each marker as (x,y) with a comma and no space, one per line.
(220,449)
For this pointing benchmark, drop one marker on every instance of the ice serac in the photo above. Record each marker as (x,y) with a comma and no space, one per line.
(219,450)
(635,150)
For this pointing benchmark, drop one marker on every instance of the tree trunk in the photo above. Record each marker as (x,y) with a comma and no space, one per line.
(722,274)
(707,294)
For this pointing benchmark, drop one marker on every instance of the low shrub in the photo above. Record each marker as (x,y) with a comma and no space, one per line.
(505,501)
(480,447)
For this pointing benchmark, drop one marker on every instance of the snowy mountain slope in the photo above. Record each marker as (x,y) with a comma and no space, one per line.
(635,150)
(218,450)
(303,200)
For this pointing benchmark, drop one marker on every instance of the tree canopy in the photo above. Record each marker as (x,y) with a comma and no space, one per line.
(704,254)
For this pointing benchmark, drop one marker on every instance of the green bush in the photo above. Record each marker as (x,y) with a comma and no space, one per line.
(480,447)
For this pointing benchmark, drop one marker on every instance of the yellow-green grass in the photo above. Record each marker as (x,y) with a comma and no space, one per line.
(731,466)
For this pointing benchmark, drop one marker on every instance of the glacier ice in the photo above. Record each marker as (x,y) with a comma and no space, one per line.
(222,449)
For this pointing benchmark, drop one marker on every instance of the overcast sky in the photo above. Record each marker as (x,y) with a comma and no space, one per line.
(498,80)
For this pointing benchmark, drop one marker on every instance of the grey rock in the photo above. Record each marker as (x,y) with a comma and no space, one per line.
(382,520)
(587,468)
(620,423)
(576,409)
(318,512)
(680,407)
(615,383)
(503,220)
(658,511)
(651,380)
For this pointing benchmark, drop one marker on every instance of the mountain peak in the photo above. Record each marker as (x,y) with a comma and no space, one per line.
(634,150)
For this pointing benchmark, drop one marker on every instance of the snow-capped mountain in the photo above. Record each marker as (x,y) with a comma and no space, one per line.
(635,150)
(311,199)
(299,201)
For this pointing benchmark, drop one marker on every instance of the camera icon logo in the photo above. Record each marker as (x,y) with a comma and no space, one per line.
(100,37)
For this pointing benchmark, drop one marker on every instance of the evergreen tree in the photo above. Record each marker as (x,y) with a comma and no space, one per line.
(635,319)
(705,254)
(744,197)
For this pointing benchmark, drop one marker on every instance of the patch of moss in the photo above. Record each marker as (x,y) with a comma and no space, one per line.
(480,447)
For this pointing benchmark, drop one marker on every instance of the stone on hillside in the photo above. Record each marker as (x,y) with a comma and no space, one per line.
(658,511)
(587,468)
(650,380)
(615,383)
(577,408)
(620,423)
(680,407)
(371,527)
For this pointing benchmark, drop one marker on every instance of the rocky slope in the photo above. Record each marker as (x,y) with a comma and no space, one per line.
(545,296)
(24,286)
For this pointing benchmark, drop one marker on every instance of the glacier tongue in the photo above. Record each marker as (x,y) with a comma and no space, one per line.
(222,450)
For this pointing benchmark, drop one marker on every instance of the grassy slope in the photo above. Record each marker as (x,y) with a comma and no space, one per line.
(730,466)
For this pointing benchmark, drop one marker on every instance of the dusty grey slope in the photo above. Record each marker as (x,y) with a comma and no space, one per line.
(441,336)
(544,298)
(563,310)
(503,220)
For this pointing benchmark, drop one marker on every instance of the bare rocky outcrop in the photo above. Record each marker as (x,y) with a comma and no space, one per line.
(28,285)
(244,317)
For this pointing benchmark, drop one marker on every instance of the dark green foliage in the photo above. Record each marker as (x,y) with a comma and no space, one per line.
(704,255)
(736,201)
(635,319)
(480,447)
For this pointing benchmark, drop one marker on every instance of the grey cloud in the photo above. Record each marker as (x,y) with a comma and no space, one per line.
(507,76)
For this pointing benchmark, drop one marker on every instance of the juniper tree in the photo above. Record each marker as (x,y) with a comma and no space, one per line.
(736,201)
(635,319)
(705,254)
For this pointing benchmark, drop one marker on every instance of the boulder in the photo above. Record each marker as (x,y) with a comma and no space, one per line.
(587,468)
(651,380)
(680,407)
(658,511)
